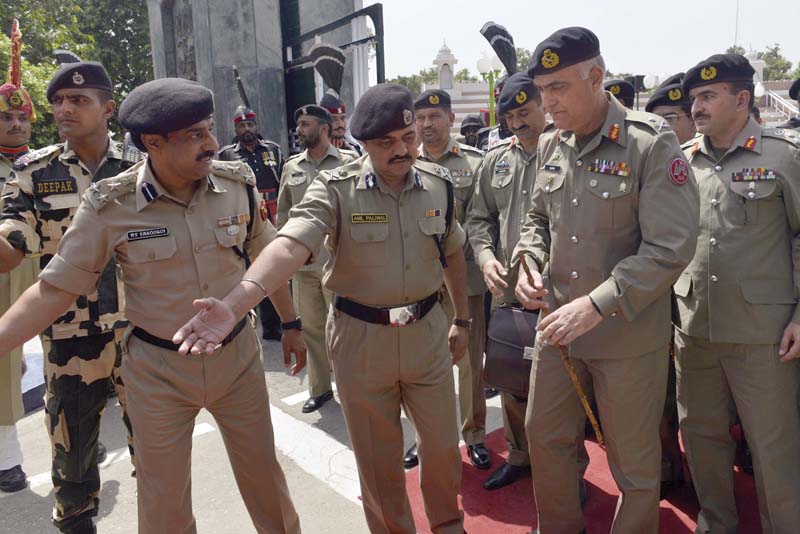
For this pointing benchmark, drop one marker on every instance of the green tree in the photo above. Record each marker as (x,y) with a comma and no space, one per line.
(465,76)
(523,59)
(777,66)
(414,82)
(735,49)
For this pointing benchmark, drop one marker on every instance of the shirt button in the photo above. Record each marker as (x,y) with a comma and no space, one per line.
(546,189)
(574,239)
(408,267)
(197,248)
(205,287)
(524,192)
(713,241)
(714,278)
(606,194)
(714,202)
(718,168)
(575,202)
(574,275)
(579,163)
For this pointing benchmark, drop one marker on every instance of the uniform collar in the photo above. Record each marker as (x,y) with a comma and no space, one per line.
(331,152)
(369,178)
(114,151)
(749,139)
(613,128)
(148,188)
(452,148)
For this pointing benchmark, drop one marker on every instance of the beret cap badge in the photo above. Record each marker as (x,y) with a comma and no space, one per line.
(521,97)
(615,89)
(550,59)
(408,117)
(708,73)
(15,100)
(675,94)
(434,100)
(78,79)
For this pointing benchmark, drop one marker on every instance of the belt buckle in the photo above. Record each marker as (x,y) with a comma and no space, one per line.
(403,315)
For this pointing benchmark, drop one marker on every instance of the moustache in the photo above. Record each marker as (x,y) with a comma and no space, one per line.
(205,155)
(15,131)
(521,129)
(700,116)
(400,158)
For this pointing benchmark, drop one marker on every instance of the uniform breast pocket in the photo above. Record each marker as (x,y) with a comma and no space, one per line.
(501,187)
(297,179)
(151,250)
(230,236)
(369,243)
(615,205)
(551,186)
(433,228)
(746,199)
(55,213)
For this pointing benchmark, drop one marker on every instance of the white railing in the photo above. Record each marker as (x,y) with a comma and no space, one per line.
(780,104)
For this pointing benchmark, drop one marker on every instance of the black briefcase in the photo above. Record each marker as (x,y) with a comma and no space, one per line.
(509,350)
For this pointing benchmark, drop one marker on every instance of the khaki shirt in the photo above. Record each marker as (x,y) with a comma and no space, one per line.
(39,201)
(382,246)
(298,172)
(501,201)
(743,284)
(616,221)
(462,161)
(170,253)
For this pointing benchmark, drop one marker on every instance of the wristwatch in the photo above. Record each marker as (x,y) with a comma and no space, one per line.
(463,323)
(293,325)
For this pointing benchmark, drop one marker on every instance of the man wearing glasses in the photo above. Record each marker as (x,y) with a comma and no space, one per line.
(673,105)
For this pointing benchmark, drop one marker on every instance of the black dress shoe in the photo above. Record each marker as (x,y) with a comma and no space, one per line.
(315,403)
(13,479)
(102,452)
(506,474)
(479,456)
(410,460)
(490,392)
(272,333)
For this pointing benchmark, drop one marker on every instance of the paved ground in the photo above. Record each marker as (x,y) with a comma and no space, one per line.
(314,450)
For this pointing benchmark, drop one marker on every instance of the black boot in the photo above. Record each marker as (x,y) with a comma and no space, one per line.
(506,474)
(13,479)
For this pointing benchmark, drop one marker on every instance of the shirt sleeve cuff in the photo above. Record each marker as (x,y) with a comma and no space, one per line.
(304,233)
(20,236)
(484,256)
(796,316)
(69,278)
(604,297)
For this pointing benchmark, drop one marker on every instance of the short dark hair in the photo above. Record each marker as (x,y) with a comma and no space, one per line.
(737,87)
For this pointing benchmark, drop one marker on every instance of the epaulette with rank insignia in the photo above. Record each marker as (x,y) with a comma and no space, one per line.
(351,170)
(234,170)
(434,169)
(501,144)
(790,136)
(471,149)
(108,190)
(37,155)
(642,117)
(293,157)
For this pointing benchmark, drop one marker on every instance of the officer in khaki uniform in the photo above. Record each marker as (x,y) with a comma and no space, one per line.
(16,115)
(737,334)
(81,347)
(434,118)
(613,222)
(181,227)
(310,298)
(389,224)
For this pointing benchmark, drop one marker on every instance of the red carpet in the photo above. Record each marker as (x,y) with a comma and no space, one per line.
(511,510)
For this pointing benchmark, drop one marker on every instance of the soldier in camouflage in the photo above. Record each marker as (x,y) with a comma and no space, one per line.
(82,346)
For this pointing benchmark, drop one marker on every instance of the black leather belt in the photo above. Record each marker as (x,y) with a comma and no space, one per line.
(144,335)
(399,316)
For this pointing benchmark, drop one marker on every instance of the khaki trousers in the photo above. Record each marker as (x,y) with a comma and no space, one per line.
(379,368)
(165,393)
(312,301)
(712,378)
(471,399)
(630,397)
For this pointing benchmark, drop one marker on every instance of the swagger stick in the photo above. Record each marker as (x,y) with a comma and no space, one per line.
(571,371)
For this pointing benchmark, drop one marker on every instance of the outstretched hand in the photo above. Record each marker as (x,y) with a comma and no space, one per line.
(206,330)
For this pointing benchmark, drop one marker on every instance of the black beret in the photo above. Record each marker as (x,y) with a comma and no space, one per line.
(669,93)
(794,90)
(474,121)
(622,90)
(80,75)
(564,48)
(165,105)
(384,108)
(719,68)
(333,103)
(432,98)
(314,111)
(517,91)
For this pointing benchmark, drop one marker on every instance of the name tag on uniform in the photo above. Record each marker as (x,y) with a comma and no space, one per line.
(55,187)
(150,233)
(361,218)
(754,174)
(552,168)
(233,219)
(502,168)
(461,173)
(606,166)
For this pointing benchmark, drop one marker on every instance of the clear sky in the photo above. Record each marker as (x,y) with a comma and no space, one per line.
(637,37)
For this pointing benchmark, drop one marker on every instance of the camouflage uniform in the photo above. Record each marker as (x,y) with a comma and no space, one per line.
(82,346)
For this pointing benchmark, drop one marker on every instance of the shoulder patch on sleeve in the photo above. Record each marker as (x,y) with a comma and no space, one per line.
(108,190)
(788,135)
(34,156)
(233,170)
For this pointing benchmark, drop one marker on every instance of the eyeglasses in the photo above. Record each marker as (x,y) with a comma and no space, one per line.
(672,118)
